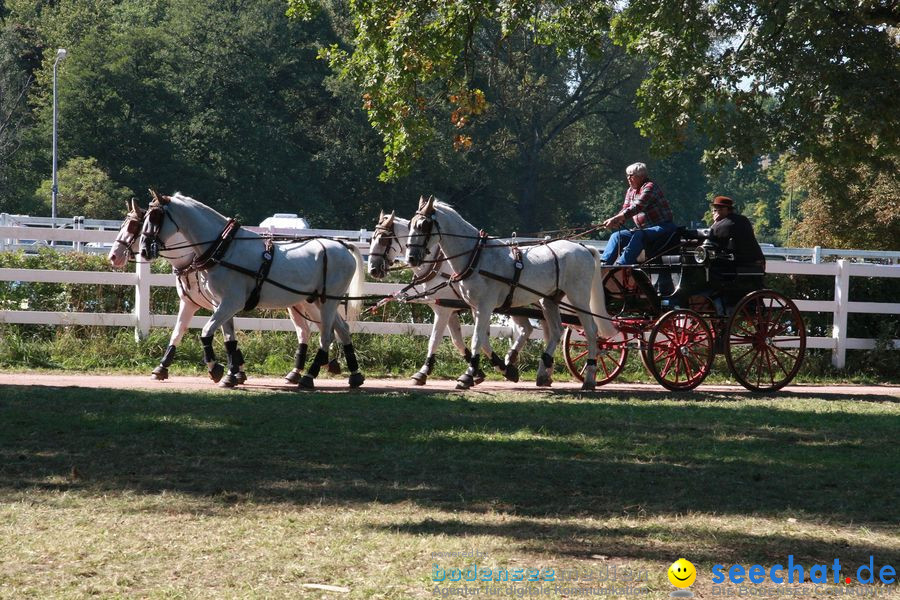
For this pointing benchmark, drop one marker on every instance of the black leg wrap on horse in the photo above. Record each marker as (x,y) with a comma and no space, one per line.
(497,361)
(467,379)
(168,357)
(350,354)
(208,354)
(320,359)
(238,358)
(429,364)
(591,362)
(547,360)
(230,349)
(467,354)
(300,356)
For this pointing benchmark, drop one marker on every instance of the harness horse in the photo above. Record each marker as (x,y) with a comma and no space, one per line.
(192,296)
(490,275)
(388,245)
(317,271)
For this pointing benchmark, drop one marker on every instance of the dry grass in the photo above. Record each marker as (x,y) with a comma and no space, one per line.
(260,495)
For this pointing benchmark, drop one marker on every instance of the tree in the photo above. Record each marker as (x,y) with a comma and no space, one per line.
(867,210)
(19,58)
(817,78)
(85,190)
(512,86)
(412,57)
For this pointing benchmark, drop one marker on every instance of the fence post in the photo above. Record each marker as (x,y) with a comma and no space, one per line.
(817,255)
(141,299)
(839,327)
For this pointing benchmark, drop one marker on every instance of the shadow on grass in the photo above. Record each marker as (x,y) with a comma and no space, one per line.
(534,456)
(642,541)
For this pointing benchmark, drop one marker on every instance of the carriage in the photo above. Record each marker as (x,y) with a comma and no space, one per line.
(715,308)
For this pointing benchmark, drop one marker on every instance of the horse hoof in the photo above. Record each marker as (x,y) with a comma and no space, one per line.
(307,383)
(293,377)
(228,381)
(544,381)
(479,377)
(240,377)
(160,374)
(512,373)
(464,382)
(334,367)
(216,372)
(356,379)
(419,378)
(588,387)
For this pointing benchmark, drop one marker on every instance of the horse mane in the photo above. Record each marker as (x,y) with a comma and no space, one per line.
(187,200)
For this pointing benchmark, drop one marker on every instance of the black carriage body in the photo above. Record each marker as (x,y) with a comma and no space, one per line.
(716,307)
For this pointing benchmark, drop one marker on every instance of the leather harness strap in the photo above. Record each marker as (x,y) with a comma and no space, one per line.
(473,258)
(213,255)
(518,265)
(267,257)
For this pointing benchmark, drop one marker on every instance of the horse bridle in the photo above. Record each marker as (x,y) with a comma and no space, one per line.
(155,216)
(130,231)
(428,225)
(382,232)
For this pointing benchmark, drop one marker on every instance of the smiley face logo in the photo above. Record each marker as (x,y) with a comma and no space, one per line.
(682,573)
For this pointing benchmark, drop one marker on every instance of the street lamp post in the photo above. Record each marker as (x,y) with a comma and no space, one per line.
(60,54)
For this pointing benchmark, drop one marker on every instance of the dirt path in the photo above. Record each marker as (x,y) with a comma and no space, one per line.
(53,380)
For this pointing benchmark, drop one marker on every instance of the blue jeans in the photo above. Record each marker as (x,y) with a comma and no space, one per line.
(630,242)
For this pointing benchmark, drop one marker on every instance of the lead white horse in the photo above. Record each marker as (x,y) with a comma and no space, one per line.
(193,296)
(237,263)
(486,280)
(389,244)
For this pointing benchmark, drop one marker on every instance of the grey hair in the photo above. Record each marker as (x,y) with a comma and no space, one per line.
(637,168)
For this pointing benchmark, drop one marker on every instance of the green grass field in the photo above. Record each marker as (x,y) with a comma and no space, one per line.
(138,494)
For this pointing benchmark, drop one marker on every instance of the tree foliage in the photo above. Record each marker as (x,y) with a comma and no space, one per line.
(817,78)
(864,214)
(86,190)
(410,56)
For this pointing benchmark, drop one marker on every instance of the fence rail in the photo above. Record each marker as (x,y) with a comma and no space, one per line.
(142,280)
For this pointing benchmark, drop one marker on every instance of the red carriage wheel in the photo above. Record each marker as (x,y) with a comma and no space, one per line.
(611,356)
(680,350)
(766,341)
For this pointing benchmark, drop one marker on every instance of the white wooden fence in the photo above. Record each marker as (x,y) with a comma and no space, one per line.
(841,270)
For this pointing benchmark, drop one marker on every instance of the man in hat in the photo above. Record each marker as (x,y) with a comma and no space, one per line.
(734,233)
(648,208)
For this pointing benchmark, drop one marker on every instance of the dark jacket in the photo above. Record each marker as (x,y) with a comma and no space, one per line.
(734,233)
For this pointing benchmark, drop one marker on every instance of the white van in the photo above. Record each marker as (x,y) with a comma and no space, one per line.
(285,221)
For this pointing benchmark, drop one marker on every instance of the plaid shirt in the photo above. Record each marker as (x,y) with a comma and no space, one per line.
(646,206)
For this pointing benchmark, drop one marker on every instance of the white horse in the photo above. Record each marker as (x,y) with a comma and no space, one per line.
(389,244)
(318,271)
(192,296)
(489,275)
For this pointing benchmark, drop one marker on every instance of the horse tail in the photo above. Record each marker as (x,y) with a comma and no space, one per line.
(355,304)
(605,327)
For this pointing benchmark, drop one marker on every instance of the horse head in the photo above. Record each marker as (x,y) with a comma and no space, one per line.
(124,246)
(151,243)
(384,247)
(422,228)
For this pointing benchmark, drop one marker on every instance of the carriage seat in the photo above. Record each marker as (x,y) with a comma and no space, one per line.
(665,252)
